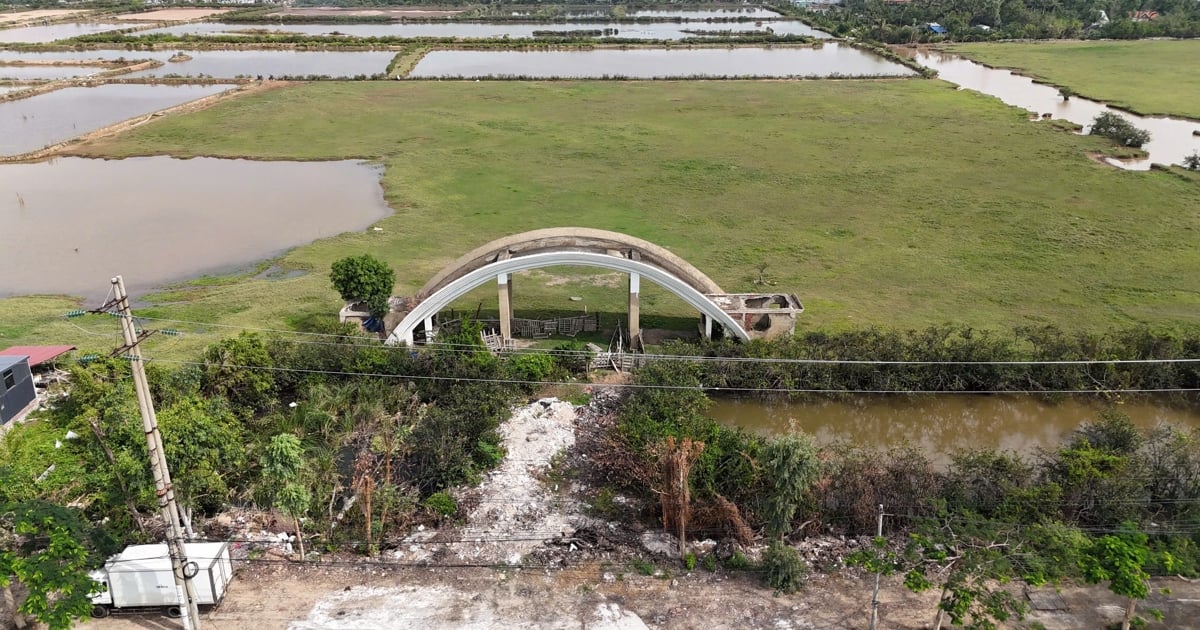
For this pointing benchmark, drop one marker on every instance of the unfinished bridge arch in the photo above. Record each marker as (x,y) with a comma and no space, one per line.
(738,314)
(503,269)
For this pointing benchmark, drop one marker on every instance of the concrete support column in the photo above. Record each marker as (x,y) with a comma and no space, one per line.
(708,325)
(505,291)
(635,289)
(429,334)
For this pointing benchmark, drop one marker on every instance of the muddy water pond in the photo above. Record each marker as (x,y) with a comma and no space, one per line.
(481,30)
(30,124)
(231,64)
(38,73)
(1171,139)
(939,424)
(177,218)
(825,61)
(227,64)
(55,32)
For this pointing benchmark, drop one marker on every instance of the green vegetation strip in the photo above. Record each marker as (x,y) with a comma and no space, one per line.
(895,203)
(1141,76)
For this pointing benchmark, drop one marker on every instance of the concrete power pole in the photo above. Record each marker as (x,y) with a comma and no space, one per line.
(183,570)
(875,596)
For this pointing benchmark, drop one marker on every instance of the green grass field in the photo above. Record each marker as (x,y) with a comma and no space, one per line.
(903,203)
(1145,76)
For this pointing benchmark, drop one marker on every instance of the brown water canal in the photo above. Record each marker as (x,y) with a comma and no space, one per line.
(1171,139)
(939,424)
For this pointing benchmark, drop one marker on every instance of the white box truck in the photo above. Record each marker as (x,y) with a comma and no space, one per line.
(141,577)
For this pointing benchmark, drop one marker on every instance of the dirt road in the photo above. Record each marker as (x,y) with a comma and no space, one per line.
(279,595)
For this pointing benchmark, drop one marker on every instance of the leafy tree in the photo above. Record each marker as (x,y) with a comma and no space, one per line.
(1120,559)
(1192,162)
(791,465)
(283,469)
(1119,130)
(364,279)
(972,560)
(204,445)
(234,368)
(46,548)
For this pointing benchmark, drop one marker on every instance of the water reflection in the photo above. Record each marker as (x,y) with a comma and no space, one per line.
(175,218)
(938,424)
(1171,139)
(825,61)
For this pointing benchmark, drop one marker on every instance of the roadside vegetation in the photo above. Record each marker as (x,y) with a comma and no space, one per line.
(1137,76)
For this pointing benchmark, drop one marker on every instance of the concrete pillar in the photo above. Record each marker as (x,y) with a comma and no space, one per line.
(708,322)
(429,334)
(635,289)
(505,307)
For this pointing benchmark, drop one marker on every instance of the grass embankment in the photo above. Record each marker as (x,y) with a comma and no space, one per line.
(1145,76)
(902,203)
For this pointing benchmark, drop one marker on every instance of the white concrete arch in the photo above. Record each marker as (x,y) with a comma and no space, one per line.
(440,299)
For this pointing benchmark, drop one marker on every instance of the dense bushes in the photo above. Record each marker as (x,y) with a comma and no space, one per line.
(955,349)
(1119,130)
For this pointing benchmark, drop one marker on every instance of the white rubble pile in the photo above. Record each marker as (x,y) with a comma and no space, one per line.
(439,606)
(516,511)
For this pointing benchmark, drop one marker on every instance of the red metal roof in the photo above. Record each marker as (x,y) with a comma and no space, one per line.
(37,354)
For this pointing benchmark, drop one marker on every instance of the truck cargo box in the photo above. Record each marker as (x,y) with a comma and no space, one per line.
(140,576)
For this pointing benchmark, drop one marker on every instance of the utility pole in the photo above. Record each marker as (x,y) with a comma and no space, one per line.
(183,570)
(875,596)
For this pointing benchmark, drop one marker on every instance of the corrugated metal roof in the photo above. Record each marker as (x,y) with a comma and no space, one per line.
(37,354)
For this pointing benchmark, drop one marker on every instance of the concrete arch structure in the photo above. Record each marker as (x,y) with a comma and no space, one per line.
(570,239)
(472,271)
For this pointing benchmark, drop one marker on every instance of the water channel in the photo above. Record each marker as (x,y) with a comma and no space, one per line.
(939,424)
(825,61)
(1171,139)
(175,219)
(482,30)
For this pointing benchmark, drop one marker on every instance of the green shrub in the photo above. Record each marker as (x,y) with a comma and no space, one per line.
(531,366)
(739,562)
(784,568)
(689,561)
(442,504)
(1119,130)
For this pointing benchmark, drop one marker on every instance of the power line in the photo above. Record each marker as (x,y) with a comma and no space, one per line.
(697,387)
(364,342)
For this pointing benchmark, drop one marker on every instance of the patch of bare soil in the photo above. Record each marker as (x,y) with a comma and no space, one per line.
(172,15)
(21,17)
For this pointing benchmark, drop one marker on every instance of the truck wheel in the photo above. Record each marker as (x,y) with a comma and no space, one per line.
(174,612)
(99,611)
